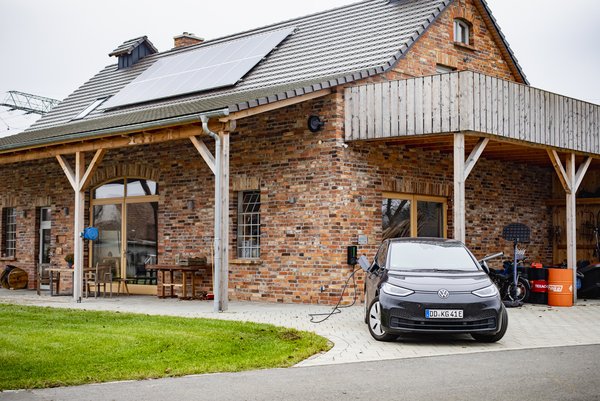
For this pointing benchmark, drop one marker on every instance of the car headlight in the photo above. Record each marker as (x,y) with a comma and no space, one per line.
(395,290)
(486,292)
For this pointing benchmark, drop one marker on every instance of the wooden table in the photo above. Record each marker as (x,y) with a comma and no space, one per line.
(170,269)
(58,271)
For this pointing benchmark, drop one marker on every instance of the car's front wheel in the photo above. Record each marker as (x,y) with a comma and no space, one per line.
(374,322)
(492,338)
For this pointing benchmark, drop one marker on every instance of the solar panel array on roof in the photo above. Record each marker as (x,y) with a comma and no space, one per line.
(216,66)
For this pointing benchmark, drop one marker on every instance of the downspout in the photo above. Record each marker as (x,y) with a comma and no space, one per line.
(218,212)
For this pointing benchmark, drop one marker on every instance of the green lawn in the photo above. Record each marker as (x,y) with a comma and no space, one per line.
(47,347)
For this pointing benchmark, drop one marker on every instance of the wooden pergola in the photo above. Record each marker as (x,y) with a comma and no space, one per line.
(505,119)
(214,124)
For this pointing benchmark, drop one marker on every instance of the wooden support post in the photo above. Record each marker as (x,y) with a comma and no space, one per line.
(459,187)
(462,169)
(224,283)
(79,180)
(78,226)
(570,179)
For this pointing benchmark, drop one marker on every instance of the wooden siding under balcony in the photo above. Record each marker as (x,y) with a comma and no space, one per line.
(471,102)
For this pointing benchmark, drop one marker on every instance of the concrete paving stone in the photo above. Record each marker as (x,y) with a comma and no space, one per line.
(531,326)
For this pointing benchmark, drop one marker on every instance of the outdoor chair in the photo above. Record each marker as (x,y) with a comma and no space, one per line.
(99,277)
(42,277)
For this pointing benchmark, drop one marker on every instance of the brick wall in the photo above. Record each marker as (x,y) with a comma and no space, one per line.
(29,186)
(437,46)
(317,195)
(337,194)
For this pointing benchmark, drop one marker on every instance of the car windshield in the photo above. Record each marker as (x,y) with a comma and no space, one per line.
(442,256)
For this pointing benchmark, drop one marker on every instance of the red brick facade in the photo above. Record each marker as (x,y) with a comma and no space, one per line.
(317,194)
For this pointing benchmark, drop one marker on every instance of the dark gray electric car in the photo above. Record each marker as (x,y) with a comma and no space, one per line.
(431,285)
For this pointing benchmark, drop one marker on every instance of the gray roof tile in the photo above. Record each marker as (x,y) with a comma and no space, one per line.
(328,49)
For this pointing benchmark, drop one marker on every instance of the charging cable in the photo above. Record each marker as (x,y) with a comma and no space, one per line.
(337,308)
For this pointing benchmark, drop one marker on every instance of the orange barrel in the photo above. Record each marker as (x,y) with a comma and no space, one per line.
(560,287)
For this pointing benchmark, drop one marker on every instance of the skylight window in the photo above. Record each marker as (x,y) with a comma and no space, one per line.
(90,108)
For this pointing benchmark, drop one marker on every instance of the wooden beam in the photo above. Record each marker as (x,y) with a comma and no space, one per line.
(571,228)
(562,175)
(123,140)
(224,284)
(581,173)
(275,105)
(474,156)
(459,187)
(78,227)
(68,171)
(209,159)
(89,173)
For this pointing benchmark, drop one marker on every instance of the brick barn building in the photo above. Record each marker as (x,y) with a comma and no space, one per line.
(268,152)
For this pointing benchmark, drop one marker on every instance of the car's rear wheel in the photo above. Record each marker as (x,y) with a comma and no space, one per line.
(374,322)
(492,338)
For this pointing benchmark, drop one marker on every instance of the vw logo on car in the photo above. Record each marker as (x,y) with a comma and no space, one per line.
(408,287)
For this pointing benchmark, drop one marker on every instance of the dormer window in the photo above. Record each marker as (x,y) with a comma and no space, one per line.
(462,32)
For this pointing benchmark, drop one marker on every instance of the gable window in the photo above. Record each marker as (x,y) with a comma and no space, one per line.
(462,31)
(9,232)
(248,230)
(442,69)
(408,215)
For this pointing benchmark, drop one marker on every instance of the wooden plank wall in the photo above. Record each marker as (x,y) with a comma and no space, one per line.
(469,101)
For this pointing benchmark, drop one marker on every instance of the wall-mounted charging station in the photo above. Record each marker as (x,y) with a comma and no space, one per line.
(352,255)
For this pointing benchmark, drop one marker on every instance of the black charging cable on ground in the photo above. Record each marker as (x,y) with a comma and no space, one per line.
(337,308)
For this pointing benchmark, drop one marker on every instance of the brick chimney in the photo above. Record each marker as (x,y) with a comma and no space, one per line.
(186,39)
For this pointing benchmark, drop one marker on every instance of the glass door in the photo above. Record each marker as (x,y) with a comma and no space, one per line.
(107,248)
(125,211)
(44,250)
(142,244)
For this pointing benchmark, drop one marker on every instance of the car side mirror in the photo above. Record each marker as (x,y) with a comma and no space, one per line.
(485,267)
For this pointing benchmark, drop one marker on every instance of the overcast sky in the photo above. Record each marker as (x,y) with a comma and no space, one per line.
(51,47)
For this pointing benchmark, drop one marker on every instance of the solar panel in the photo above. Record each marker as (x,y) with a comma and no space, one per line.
(210,67)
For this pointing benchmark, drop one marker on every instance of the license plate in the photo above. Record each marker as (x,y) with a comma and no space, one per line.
(443,313)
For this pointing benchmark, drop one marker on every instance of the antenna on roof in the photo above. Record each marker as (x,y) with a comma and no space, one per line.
(28,103)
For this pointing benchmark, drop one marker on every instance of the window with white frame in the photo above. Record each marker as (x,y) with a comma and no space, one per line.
(443,69)
(9,232)
(462,31)
(248,230)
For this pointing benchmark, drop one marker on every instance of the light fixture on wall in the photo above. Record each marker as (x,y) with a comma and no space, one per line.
(66,211)
(24,214)
(191,205)
(315,124)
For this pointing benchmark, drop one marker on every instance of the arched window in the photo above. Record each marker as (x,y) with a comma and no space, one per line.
(462,31)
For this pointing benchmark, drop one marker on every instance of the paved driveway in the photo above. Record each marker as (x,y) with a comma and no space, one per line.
(531,326)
